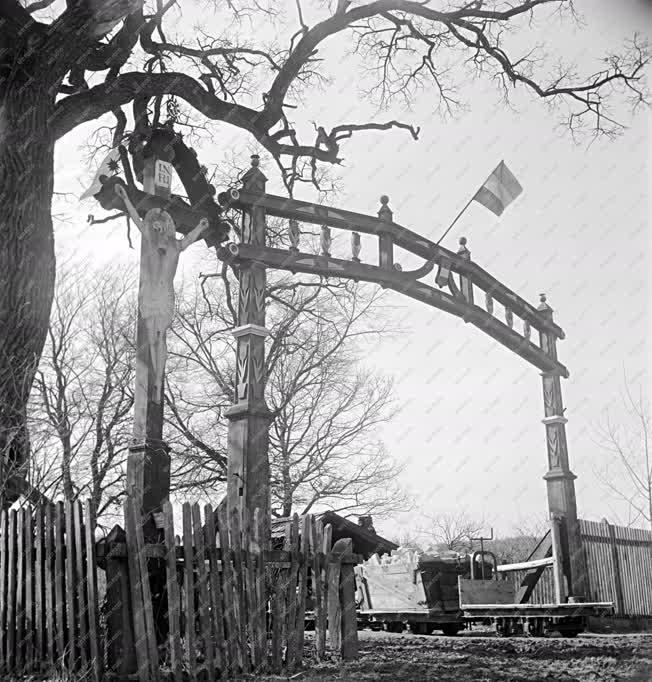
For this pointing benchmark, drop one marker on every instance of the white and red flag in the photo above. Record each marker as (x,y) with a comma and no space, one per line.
(498,190)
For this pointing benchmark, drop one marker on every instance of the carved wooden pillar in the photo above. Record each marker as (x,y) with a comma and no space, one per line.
(249,418)
(560,480)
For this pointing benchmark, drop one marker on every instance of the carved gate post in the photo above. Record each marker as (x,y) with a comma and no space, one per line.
(560,479)
(249,417)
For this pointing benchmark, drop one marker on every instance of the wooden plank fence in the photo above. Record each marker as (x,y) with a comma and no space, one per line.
(619,569)
(232,607)
(49,617)
(235,608)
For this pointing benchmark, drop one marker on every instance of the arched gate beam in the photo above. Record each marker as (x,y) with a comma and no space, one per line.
(249,417)
(402,282)
(307,212)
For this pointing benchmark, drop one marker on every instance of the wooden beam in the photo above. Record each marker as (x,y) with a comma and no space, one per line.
(526,565)
(308,212)
(324,266)
(541,551)
(185,216)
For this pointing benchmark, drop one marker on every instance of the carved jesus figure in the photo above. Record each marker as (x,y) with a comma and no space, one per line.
(160,257)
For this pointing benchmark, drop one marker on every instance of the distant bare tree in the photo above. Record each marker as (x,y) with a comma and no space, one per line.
(628,471)
(518,546)
(452,531)
(82,398)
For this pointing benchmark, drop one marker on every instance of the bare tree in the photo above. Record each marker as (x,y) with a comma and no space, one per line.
(518,546)
(324,448)
(64,64)
(452,531)
(81,405)
(628,471)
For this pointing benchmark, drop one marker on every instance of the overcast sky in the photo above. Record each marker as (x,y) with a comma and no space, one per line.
(470,430)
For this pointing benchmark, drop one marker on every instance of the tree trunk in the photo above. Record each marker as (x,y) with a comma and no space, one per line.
(27,261)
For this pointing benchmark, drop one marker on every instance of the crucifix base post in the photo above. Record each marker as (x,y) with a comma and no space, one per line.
(148,480)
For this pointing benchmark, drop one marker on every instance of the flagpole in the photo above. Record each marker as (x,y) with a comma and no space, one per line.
(459,215)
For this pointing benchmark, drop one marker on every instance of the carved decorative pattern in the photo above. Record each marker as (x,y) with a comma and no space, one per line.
(509,318)
(554,453)
(355,246)
(294,234)
(242,370)
(246,229)
(548,395)
(257,373)
(245,292)
(326,240)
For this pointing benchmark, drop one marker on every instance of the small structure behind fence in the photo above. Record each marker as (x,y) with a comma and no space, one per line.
(619,568)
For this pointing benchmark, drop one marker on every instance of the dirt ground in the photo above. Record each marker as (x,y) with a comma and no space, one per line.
(470,656)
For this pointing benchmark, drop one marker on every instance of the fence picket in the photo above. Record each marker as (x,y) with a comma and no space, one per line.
(189,591)
(95,647)
(227,593)
(317,540)
(72,641)
(4,548)
(39,592)
(334,605)
(279,602)
(292,634)
(217,610)
(174,599)
(302,593)
(29,591)
(239,597)
(80,586)
(11,595)
(20,591)
(204,604)
(59,584)
(259,586)
(251,597)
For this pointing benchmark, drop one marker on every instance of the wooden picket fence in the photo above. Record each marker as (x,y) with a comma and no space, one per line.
(234,608)
(48,591)
(231,607)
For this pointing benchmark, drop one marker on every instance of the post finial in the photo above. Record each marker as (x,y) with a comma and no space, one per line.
(544,307)
(385,212)
(463,251)
(254,179)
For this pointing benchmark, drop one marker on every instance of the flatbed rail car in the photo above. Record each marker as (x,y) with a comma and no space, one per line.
(441,594)
(507,619)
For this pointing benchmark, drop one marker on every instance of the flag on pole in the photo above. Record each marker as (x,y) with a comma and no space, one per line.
(499,190)
(108,168)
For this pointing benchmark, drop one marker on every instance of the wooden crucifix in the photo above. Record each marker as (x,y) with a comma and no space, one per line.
(148,466)
(158,216)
